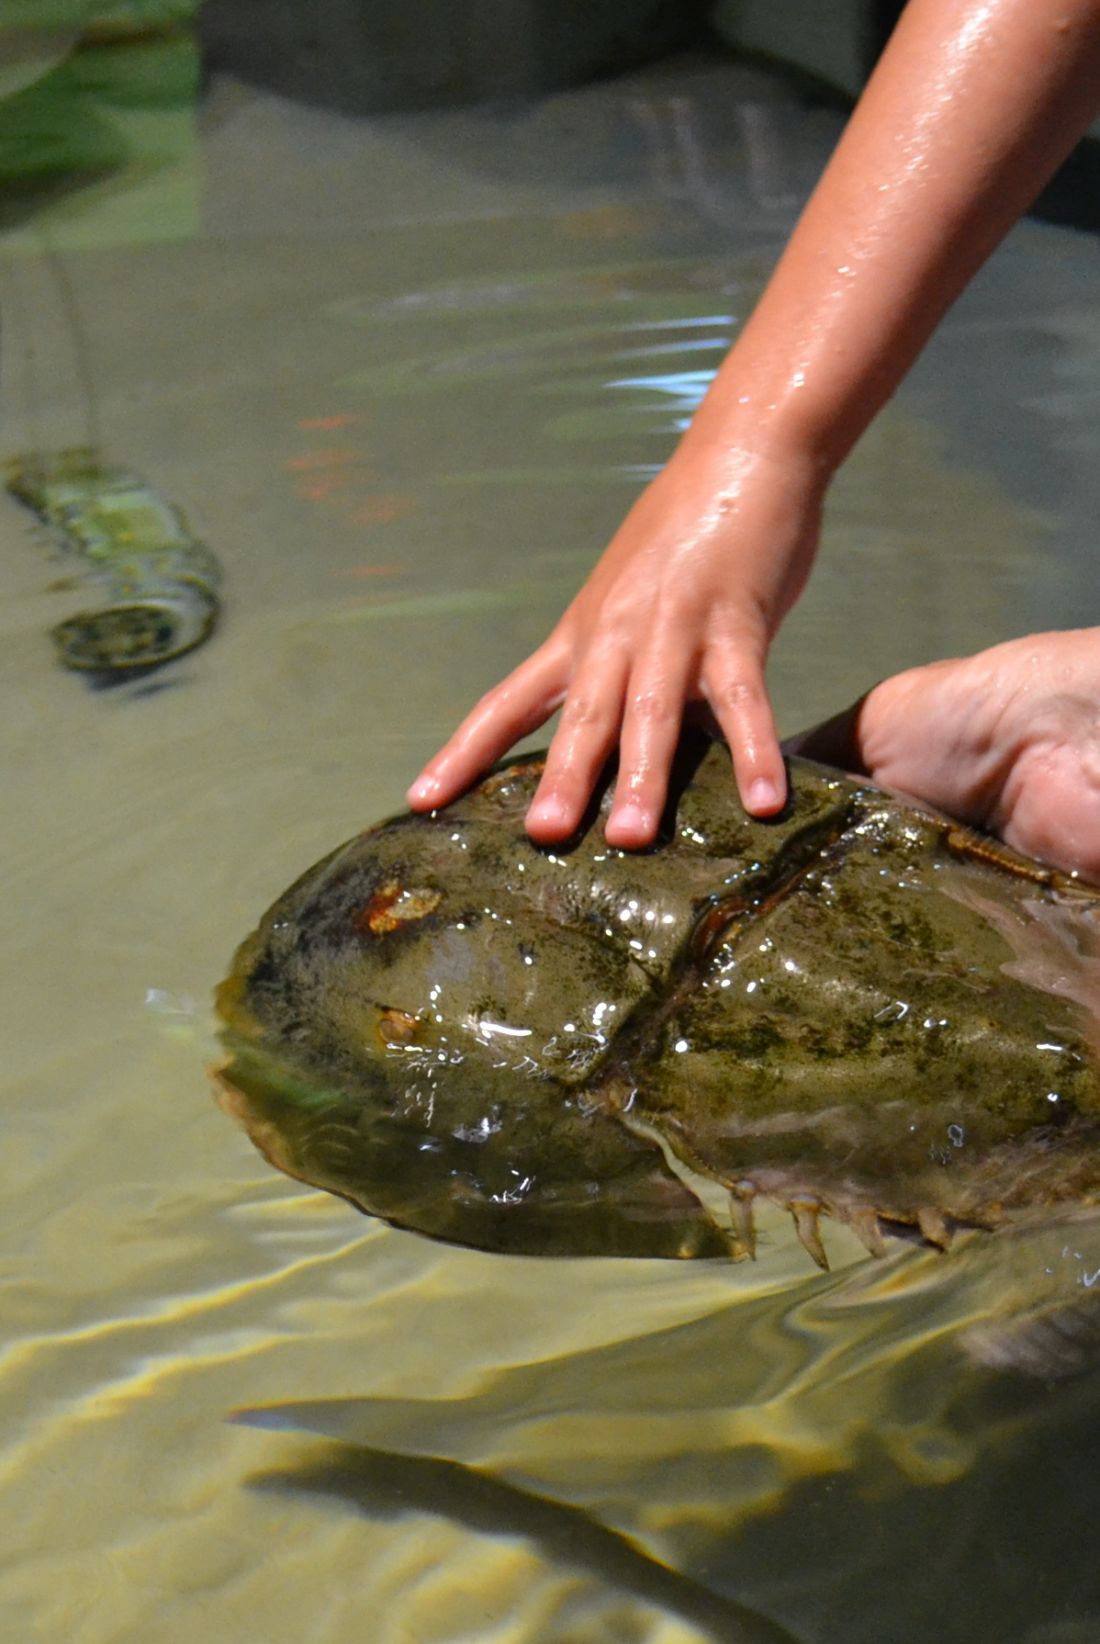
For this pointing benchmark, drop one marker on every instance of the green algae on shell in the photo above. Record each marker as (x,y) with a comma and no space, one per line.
(855,1009)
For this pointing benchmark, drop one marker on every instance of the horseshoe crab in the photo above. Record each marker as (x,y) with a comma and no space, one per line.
(158,585)
(857,1009)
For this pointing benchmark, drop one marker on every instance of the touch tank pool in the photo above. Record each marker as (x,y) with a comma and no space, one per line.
(401,372)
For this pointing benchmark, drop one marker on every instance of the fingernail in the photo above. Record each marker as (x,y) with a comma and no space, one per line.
(425,787)
(550,813)
(631,816)
(763,796)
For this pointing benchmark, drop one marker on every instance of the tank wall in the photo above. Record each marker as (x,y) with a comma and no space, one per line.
(405,54)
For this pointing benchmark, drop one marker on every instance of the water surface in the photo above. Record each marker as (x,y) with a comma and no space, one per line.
(405,375)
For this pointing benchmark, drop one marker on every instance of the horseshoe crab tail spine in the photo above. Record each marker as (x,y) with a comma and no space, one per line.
(805,1212)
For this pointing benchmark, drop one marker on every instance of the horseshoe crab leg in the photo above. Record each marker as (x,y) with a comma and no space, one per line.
(741,1197)
(933,1227)
(864,1223)
(805,1211)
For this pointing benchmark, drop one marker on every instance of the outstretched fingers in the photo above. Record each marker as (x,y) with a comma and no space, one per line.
(614,697)
(654,711)
(733,685)
(514,708)
(590,720)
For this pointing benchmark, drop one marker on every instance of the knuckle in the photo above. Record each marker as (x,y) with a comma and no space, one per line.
(583,712)
(654,708)
(737,695)
(557,652)
(498,697)
(505,690)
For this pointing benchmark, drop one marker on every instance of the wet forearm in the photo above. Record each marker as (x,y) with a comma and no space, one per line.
(971,108)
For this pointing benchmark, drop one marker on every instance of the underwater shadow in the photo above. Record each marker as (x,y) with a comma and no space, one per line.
(388,1485)
(798,1451)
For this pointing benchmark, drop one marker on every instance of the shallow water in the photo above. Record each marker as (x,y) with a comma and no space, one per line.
(404,375)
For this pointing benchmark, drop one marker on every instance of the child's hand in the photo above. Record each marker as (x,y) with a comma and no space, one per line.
(680,609)
(971,107)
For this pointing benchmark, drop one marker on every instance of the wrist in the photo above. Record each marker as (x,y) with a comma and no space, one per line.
(787,417)
(728,445)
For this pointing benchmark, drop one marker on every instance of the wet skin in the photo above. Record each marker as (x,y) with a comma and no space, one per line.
(854,1008)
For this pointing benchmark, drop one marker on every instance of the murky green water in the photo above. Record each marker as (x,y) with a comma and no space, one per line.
(404,376)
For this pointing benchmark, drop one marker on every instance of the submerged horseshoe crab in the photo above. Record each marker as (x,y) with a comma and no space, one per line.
(159,586)
(856,1009)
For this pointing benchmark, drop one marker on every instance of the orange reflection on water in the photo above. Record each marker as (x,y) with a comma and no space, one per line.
(380,507)
(339,419)
(341,477)
(369,571)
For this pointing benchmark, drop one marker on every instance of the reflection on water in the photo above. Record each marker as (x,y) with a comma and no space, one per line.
(792,1452)
(403,375)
